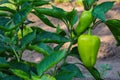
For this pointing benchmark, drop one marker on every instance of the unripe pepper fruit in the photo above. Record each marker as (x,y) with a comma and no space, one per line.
(85,20)
(88,46)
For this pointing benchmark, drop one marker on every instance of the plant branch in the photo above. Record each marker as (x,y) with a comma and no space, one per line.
(15,54)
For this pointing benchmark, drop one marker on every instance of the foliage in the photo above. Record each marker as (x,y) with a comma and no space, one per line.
(16,36)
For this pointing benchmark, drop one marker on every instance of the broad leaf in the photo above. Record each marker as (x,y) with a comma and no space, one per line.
(50,61)
(65,75)
(21,74)
(7,9)
(9,5)
(20,66)
(114,26)
(41,48)
(28,39)
(44,19)
(49,37)
(54,12)
(74,69)
(100,10)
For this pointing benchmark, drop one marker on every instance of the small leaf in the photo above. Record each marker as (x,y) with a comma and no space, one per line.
(72,17)
(50,61)
(65,75)
(114,26)
(100,10)
(49,37)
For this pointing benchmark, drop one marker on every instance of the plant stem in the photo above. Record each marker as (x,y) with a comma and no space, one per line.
(89,31)
(22,30)
(15,54)
(68,52)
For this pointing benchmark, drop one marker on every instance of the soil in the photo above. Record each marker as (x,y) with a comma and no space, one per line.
(109,54)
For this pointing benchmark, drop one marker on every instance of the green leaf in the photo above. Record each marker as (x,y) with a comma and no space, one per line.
(11,78)
(90,2)
(50,61)
(3,1)
(38,29)
(49,37)
(114,26)
(9,5)
(74,69)
(41,48)
(47,77)
(28,38)
(4,21)
(74,52)
(54,12)
(21,74)
(95,73)
(60,31)
(4,14)
(44,19)
(2,48)
(65,75)
(100,10)
(2,75)
(20,66)
(72,17)
(58,46)
(7,9)
(16,20)
(40,3)
(3,63)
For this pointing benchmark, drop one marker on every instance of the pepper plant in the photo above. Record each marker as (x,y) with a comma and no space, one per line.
(16,36)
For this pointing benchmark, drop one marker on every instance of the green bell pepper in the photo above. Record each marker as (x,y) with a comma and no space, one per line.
(85,21)
(88,46)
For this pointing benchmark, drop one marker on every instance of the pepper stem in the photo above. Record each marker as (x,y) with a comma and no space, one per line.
(89,31)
